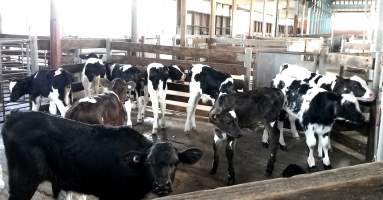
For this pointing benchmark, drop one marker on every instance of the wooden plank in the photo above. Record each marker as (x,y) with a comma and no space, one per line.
(216,54)
(234,69)
(69,44)
(213,7)
(362,181)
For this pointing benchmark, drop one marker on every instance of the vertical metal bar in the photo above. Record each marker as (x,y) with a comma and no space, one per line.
(378,78)
(232,15)
(134,21)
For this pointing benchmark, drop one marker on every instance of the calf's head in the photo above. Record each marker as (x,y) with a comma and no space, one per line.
(356,85)
(349,109)
(175,73)
(18,88)
(161,162)
(224,117)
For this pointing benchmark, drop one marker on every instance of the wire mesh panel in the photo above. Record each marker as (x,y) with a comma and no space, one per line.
(15,63)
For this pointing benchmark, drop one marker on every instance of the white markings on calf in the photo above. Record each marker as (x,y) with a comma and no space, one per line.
(93,61)
(88,99)
(232,113)
(125,67)
(35,75)
(369,95)
(218,139)
(54,96)
(57,72)
(350,97)
(11,85)
(128,109)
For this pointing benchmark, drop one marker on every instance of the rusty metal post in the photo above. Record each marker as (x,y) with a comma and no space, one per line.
(55,40)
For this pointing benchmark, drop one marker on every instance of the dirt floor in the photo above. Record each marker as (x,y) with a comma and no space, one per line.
(250,158)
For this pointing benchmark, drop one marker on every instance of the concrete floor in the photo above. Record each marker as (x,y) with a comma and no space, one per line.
(250,158)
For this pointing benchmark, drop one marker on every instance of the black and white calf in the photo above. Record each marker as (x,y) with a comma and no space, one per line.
(130,73)
(112,163)
(52,84)
(92,72)
(231,112)
(158,76)
(206,83)
(316,109)
(355,85)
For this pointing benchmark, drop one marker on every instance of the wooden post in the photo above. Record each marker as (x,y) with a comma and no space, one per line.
(183,23)
(264,26)
(142,41)
(158,42)
(251,23)
(134,22)
(247,64)
(34,54)
(232,16)
(213,7)
(55,39)
(108,48)
(276,18)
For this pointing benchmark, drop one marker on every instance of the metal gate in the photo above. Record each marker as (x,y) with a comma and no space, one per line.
(15,63)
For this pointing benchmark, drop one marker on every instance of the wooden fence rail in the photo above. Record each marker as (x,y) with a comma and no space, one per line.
(363,181)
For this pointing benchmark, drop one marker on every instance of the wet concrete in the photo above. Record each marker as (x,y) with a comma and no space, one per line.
(250,158)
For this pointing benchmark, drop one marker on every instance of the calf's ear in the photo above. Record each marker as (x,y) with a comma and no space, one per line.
(100,56)
(82,56)
(190,156)
(133,158)
(131,85)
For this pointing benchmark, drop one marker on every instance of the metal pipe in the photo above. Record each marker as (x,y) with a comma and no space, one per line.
(378,76)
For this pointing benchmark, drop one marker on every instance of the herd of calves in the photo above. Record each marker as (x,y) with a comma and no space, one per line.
(76,152)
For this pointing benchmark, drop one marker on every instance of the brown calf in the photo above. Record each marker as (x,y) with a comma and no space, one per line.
(106,108)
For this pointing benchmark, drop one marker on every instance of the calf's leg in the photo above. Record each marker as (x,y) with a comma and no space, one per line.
(311,142)
(163,109)
(154,100)
(128,108)
(274,136)
(230,148)
(293,128)
(190,111)
(21,188)
(219,137)
(36,103)
(326,145)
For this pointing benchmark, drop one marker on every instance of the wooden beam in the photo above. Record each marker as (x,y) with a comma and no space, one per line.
(183,26)
(287,16)
(134,22)
(234,69)
(232,16)
(71,44)
(211,54)
(55,44)
(303,18)
(362,181)
(34,54)
(213,7)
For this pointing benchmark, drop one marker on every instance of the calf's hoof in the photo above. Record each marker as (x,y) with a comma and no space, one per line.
(312,168)
(230,180)
(283,147)
(265,145)
(188,132)
(213,171)
(327,167)
(140,121)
